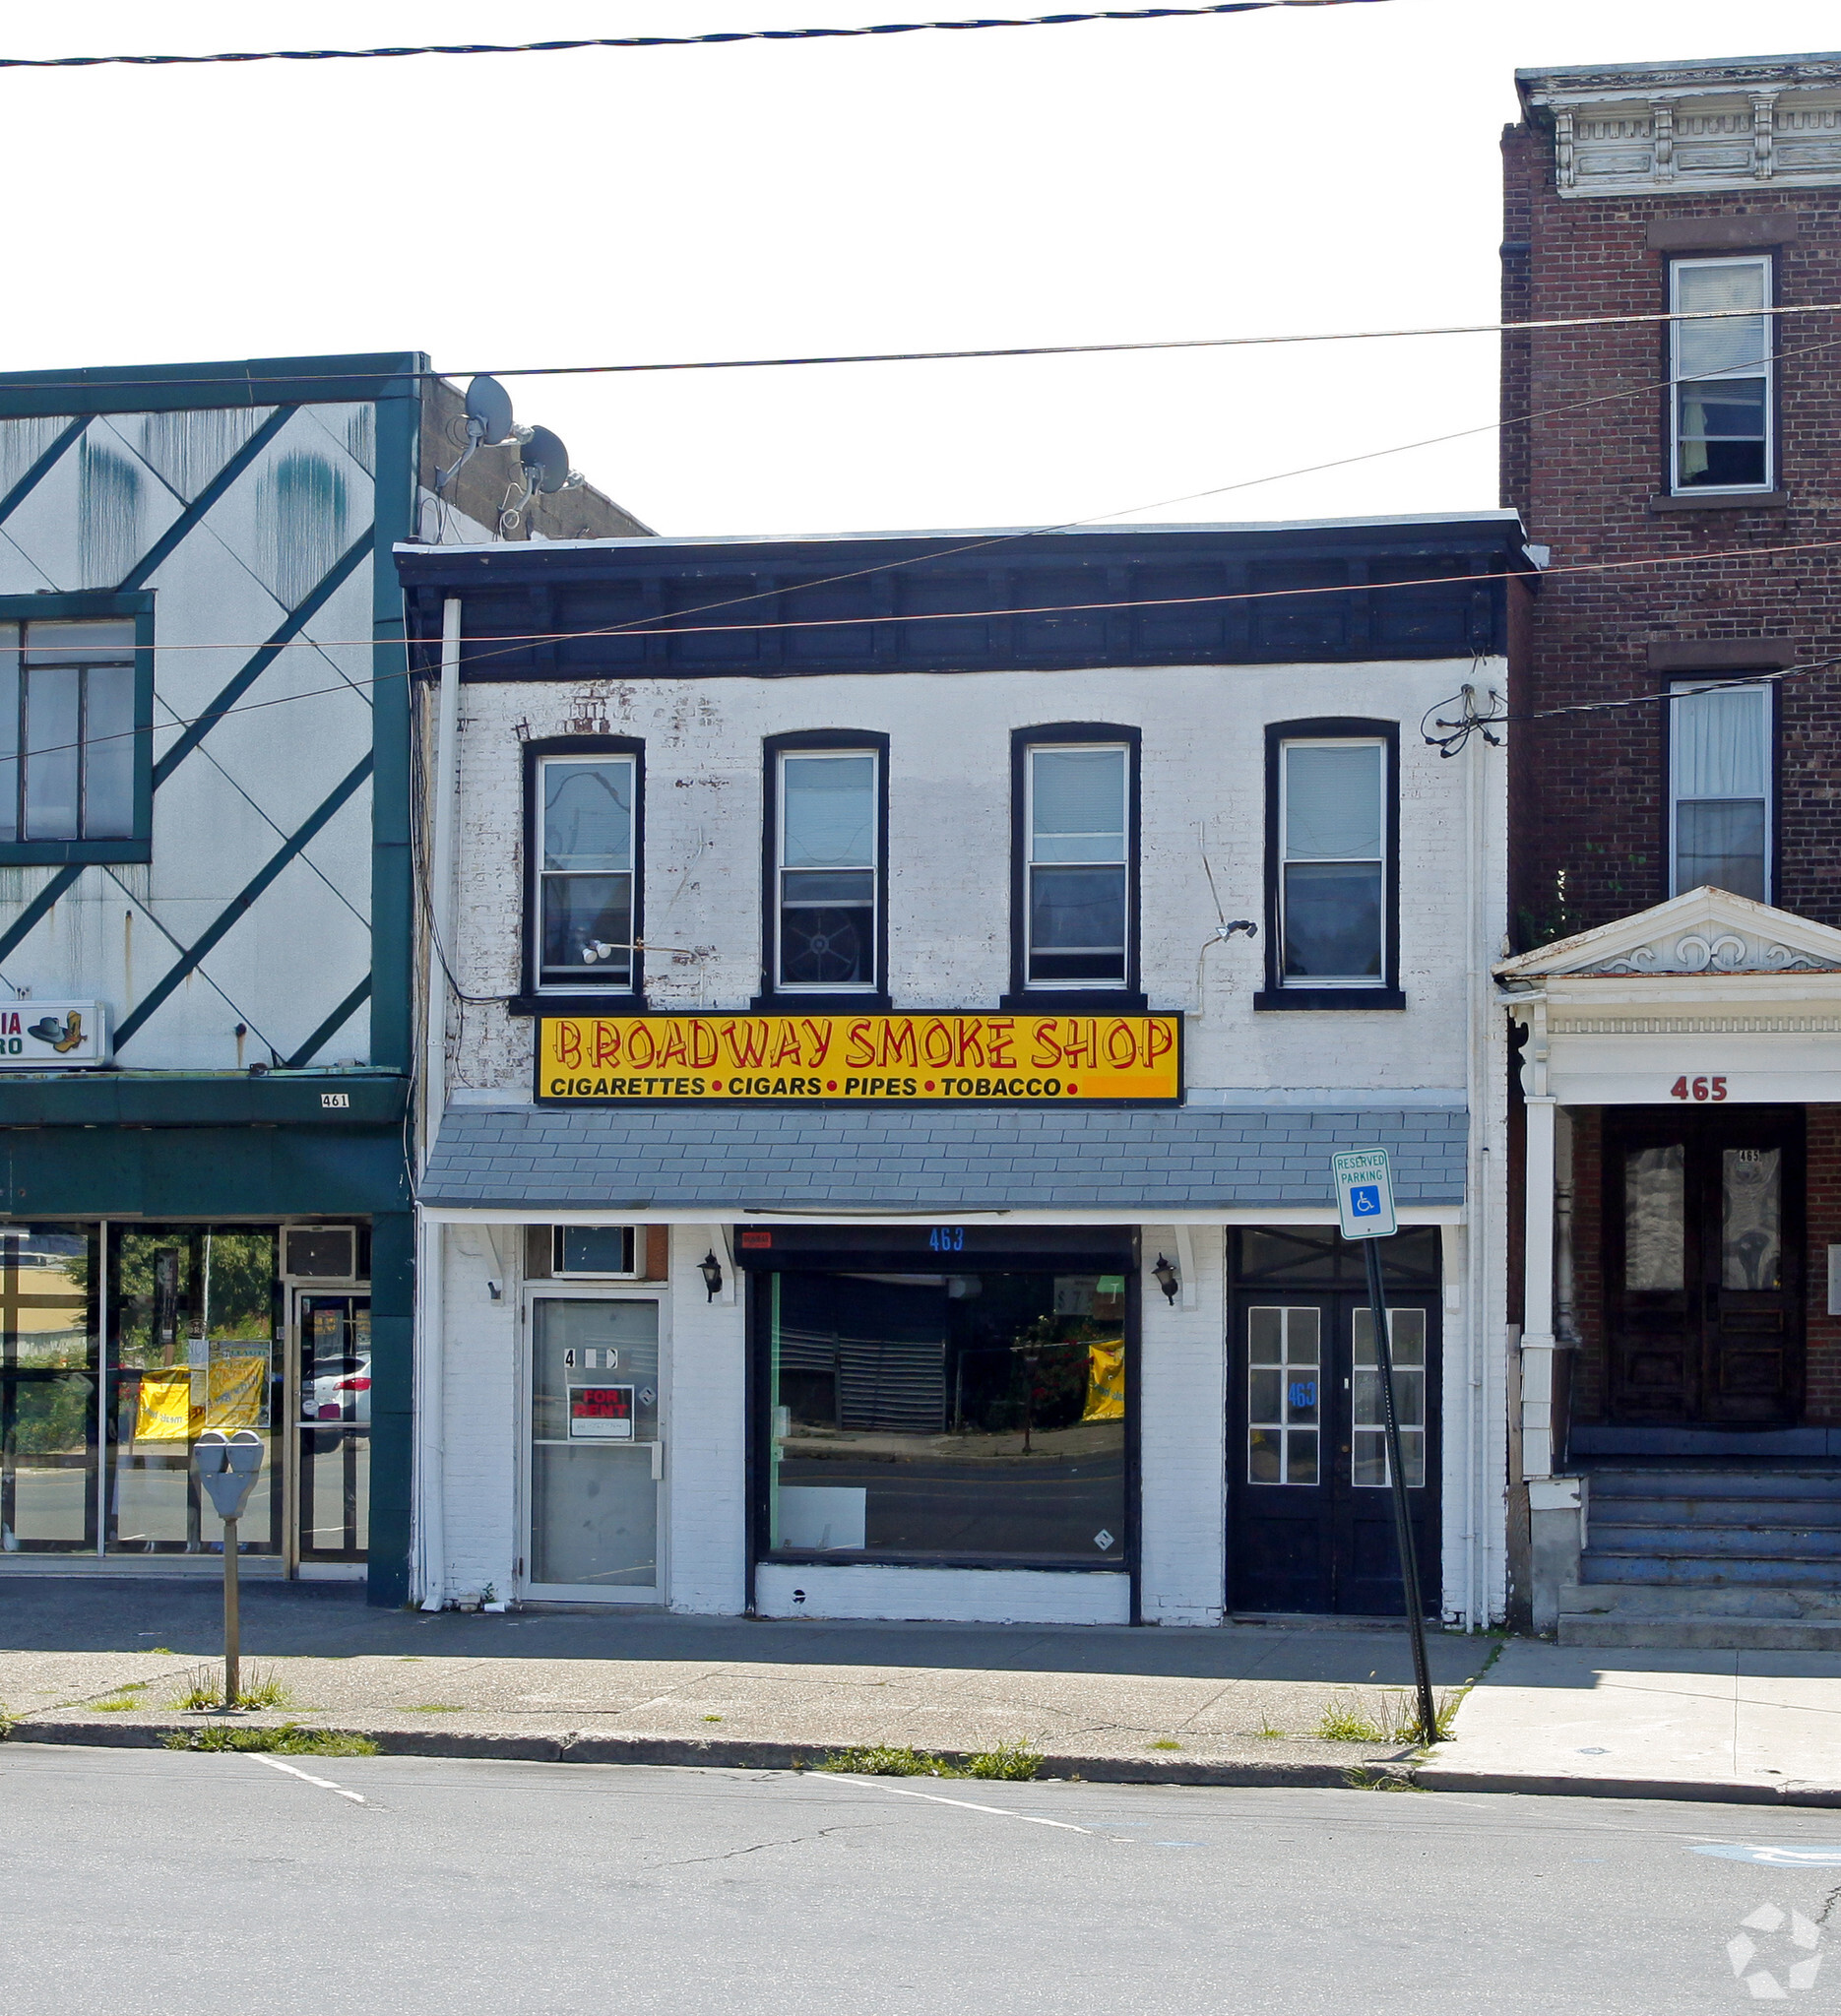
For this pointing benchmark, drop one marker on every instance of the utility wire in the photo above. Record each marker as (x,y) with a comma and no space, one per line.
(93,380)
(752,35)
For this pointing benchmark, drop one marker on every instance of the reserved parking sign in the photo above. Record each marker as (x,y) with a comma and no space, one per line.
(1364,1194)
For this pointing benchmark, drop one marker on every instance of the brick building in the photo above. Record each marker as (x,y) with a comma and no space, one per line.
(1676,882)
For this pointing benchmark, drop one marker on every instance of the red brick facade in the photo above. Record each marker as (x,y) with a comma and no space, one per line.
(1589,804)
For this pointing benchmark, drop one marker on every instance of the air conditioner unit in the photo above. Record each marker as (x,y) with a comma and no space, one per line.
(320,1252)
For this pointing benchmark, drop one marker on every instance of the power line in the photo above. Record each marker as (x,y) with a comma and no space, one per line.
(91,381)
(752,35)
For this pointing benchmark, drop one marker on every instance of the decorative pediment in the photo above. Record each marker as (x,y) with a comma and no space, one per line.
(1706,931)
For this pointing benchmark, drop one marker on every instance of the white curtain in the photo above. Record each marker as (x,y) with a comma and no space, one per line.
(1719,740)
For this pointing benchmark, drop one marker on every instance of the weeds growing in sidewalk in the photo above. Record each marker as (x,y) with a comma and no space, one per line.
(892,1760)
(1360,1780)
(1166,1744)
(123,1699)
(434,1708)
(1394,1719)
(205,1692)
(289,1740)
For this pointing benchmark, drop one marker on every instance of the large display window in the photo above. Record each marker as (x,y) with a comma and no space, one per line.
(977,1415)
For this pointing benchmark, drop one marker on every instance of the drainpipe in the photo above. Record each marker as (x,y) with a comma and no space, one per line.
(431,1525)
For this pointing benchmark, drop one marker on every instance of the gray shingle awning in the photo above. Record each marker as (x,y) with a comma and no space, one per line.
(1134,1162)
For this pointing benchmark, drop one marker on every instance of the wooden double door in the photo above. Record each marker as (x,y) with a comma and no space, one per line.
(1311,1520)
(1703,1238)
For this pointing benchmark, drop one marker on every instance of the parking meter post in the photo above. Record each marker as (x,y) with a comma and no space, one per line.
(1402,1517)
(233,1623)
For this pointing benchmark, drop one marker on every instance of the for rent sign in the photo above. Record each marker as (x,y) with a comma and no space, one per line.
(862,1059)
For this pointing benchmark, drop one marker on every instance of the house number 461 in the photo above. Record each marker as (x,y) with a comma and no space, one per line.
(1713,1089)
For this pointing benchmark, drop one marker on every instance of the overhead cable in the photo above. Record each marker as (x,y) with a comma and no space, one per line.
(748,34)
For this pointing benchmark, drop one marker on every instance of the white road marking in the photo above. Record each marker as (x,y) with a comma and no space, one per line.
(900,1791)
(323,1784)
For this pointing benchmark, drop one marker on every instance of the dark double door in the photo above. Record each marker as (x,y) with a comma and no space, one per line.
(1310,1521)
(1703,1267)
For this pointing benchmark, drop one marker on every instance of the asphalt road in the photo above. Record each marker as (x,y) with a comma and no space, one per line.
(138,1882)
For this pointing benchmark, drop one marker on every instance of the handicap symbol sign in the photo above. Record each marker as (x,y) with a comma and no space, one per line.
(1365,1200)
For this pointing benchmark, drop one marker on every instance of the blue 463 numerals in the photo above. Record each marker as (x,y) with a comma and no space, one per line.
(947,1238)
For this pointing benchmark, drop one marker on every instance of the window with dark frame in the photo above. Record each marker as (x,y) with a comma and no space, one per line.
(1332,868)
(1721,370)
(827,868)
(1719,788)
(1077,897)
(68,742)
(587,870)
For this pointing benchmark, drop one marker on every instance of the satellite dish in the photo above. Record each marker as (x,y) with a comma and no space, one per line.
(546,461)
(488,412)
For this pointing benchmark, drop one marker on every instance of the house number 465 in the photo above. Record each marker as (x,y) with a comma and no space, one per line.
(1713,1089)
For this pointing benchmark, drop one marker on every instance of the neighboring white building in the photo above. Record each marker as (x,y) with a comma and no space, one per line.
(776,1256)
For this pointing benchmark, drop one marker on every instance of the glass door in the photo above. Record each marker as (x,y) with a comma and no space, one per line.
(595,1463)
(333,1474)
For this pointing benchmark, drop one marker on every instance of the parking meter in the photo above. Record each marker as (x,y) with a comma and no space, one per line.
(227,1467)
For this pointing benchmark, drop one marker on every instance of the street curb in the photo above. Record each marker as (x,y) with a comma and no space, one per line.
(731,1754)
(1564,1785)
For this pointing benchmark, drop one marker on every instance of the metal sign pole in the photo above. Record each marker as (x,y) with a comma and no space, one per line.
(1402,1515)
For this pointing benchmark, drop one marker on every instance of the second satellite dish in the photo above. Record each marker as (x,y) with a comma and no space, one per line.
(546,461)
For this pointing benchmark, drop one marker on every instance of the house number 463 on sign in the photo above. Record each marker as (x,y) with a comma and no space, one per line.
(1711,1090)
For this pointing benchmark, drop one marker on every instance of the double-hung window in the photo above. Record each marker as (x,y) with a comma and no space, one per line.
(826,870)
(68,742)
(1332,868)
(587,870)
(1721,369)
(1719,794)
(1077,902)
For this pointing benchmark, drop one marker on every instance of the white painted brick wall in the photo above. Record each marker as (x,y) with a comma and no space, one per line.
(481,1413)
(706,1435)
(1182,1435)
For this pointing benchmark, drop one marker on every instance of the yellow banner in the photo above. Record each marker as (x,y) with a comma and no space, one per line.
(1105,1382)
(163,1411)
(957,1059)
(238,1382)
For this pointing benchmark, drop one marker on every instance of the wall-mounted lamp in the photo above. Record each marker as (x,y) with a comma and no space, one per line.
(1164,1275)
(711,1268)
(495,1290)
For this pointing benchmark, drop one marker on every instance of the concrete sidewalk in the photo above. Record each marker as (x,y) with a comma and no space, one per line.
(1757,1726)
(1240,1705)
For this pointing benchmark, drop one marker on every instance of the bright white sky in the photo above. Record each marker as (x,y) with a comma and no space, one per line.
(1293,170)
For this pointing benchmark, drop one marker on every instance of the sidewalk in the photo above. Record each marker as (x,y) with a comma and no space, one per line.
(1756,1726)
(1240,1705)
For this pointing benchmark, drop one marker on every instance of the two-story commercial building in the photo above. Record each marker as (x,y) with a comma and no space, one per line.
(895,1000)
(1670,422)
(206,897)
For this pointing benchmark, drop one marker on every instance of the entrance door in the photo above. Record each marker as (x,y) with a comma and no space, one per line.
(333,1467)
(596,1451)
(1309,1494)
(1703,1276)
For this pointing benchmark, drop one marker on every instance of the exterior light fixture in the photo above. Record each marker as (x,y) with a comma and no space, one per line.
(1164,1275)
(711,1268)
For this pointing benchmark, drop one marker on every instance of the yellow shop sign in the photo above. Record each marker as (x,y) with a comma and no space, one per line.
(858,1059)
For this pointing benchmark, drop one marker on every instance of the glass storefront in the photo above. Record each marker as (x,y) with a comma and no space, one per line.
(968,1417)
(120,1345)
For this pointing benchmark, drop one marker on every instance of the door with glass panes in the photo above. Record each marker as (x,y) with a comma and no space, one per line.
(1311,1523)
(595,1457)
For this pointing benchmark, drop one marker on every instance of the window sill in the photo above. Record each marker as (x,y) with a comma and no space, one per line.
(1720,500)
(820,1004)
(848,1557)
(1075,1002)
(72,854)
(1333,998)
(575,1004)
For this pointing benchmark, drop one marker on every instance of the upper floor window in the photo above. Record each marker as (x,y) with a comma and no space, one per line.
(587,870)
(1078,894)
(827,870)
(69,751)
(1722,373)
(1332,870)
(1719,796)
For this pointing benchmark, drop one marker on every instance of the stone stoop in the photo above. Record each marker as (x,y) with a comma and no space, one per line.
(1709,1557)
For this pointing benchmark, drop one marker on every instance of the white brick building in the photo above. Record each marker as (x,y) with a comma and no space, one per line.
(775,1256)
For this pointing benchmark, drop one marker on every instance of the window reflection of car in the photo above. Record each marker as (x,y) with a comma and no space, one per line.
(337,1390)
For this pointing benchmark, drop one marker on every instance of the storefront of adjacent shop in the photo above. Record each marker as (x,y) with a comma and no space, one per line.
(921,1360)
(189,1253)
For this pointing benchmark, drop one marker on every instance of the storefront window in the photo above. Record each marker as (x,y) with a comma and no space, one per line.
(976,1416)
(47,1389)
(194,1346)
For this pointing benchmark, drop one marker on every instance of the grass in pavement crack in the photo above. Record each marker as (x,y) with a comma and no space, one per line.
(891,1760)
(289,1740)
